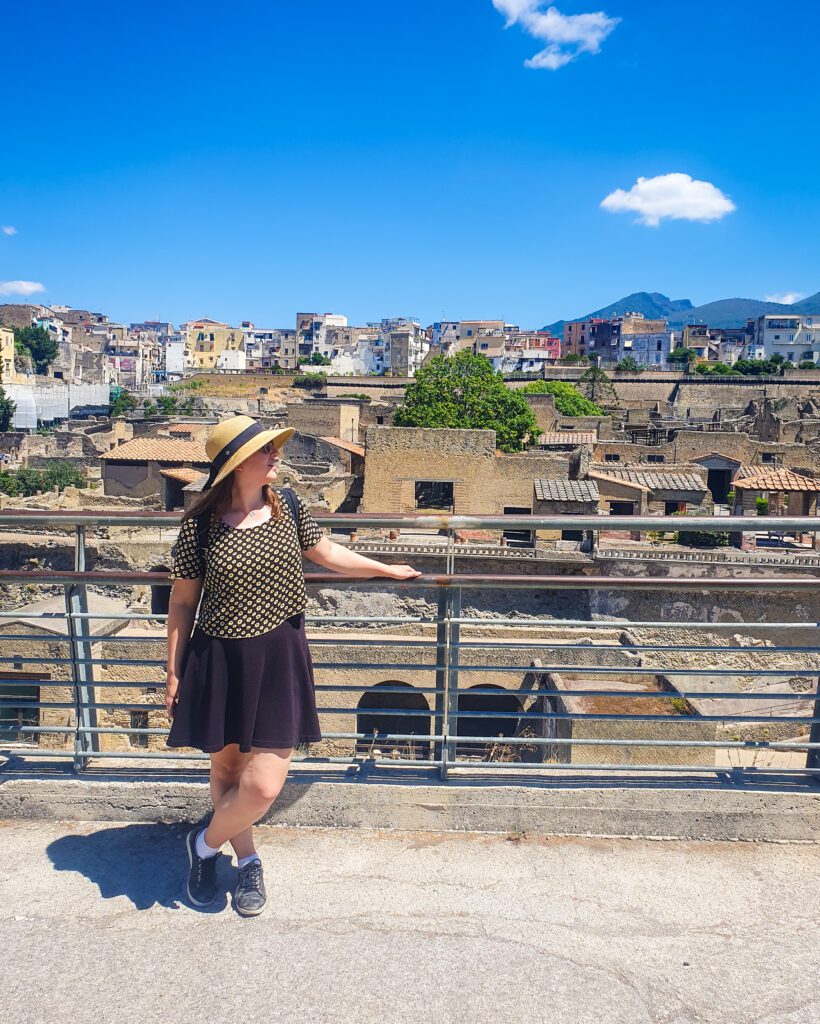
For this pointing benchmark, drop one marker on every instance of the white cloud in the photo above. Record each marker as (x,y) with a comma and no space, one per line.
(7,229)
(786,297)
(673,196)
(568,35)
(21,287)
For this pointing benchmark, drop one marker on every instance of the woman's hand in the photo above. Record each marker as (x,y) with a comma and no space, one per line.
(400,572)
(171,687)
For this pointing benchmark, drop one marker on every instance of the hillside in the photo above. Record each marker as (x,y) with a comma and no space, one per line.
(721,313)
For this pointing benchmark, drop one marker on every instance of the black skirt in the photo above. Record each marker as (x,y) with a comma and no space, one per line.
(254,691)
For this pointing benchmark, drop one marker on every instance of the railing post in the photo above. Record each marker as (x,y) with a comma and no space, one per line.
(442,626)
(813,756)
(450,723)
(82,673)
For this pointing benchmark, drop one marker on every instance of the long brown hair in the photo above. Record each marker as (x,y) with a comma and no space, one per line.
(218,500)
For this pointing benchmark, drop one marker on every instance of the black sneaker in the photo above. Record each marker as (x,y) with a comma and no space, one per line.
(249,898)
(202,873)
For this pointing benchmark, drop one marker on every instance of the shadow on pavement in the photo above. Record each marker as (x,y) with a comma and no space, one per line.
(147,863)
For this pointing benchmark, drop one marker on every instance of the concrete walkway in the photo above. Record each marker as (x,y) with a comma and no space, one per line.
(391,927)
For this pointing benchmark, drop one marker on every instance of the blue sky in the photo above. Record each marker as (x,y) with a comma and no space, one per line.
(175,160)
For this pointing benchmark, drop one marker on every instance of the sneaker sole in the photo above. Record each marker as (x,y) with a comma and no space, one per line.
(196,903)
(251,913)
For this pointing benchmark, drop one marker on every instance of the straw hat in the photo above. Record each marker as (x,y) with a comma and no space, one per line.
(234,440)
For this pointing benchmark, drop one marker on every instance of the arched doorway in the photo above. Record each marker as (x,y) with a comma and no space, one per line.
(373,720)
(160,593)
(485,724)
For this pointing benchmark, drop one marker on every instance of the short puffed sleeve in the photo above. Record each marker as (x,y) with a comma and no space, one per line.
(188,561)
(310,533)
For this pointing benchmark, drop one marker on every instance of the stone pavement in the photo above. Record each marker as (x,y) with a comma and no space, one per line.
(386,927)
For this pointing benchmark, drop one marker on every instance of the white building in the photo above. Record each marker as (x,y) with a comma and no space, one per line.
(796,338)
(175,356)
(311,332)
(232,360)
(39,404)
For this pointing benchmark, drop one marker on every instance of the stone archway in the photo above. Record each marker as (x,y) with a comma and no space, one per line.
(372,720)
(160,593)
(484,724)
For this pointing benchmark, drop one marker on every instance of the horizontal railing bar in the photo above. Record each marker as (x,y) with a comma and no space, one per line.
(709,583)
(416,712)
(497,740)
(157,685)
(613,624)
(464,667)
(711,769)
(439,521)
(559,645)
(432,644)
(538,716)
(463,766)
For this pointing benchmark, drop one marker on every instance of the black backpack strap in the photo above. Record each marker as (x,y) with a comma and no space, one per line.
(290,497)
(203,524)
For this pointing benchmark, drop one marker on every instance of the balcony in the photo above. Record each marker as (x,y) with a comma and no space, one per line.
(470,674)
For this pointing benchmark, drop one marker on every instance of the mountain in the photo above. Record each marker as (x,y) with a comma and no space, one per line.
(721,313)
(653,305)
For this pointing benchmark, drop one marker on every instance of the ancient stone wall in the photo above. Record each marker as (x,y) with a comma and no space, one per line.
(326,419)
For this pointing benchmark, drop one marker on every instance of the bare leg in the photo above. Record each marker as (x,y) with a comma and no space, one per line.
(226,768)
(260,782)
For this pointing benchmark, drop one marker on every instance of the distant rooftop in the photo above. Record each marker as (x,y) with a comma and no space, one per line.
(566,490)
(777,480)
(158,449)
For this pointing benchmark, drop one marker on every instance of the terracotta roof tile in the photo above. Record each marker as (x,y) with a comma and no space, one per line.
(777,480)
(158,449)
(566,490)
(346,446)
(183,474)
(659,480)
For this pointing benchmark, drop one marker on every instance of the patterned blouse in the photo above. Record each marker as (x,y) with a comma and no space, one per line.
(253,577)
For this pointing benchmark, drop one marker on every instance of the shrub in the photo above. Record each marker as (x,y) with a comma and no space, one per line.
(762,505)
(702,539)
(568,399)
(310,381)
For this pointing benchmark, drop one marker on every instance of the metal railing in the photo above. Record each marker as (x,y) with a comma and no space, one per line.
(465,686)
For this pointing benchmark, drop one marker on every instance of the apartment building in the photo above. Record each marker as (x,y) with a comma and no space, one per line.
(268,348)
(795,337)
(8,374)
(213,345)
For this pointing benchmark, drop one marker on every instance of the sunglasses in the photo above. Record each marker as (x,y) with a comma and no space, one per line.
(268,448)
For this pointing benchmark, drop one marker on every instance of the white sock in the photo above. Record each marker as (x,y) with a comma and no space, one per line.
(202,848)
(242,861)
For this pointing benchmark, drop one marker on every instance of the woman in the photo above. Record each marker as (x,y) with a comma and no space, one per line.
(241,687)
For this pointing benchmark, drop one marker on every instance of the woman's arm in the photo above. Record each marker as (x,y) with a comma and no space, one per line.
(351,563)
(182,607)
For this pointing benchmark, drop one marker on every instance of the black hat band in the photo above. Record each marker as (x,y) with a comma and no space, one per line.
(230,449)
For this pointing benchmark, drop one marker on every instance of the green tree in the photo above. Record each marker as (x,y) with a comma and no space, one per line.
(314,359)
(9,484)
(573,359)
(466,393)
(39,344)
(597,387)
(682,355)
(568,399)
(7,410)
(805,364)
(629,364)
(59,475)
(123,403)
(310,381)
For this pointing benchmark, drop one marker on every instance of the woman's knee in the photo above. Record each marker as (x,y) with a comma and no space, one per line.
(262,787)
(227,770)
